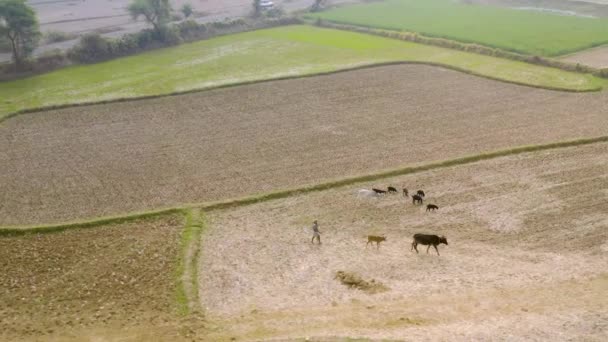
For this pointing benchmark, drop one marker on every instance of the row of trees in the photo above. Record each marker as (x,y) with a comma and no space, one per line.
(19,25)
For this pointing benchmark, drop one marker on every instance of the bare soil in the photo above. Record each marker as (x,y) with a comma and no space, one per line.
(93,161)
(92,284)
(597,57)
(527,257)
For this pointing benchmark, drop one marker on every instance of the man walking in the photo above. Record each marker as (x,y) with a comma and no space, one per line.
(315,232)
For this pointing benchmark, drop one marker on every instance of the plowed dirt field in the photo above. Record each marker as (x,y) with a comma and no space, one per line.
(99,160)
(114,282)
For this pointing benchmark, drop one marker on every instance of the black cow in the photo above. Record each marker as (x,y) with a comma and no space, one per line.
(420,193)
(392,190)
(432,207)
(378,191)
(416,198)
(428,240)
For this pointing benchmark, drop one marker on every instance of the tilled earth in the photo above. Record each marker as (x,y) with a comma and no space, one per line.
(99,160)
(86,284)
(527,257)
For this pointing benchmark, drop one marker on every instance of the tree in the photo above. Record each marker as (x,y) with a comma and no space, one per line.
(257,7)
(187,10)
(155,12)
(317,5)
(19,25)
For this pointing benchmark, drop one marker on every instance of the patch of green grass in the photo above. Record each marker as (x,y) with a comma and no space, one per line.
(187,267)
(258,55)
(530,32)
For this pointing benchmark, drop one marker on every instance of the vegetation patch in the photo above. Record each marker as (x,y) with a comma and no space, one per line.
(534,33)
(258,55)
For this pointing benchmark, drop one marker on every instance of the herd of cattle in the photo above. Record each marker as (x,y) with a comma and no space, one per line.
(418,198)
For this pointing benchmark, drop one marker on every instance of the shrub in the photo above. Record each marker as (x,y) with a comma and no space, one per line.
(190,29)
(50,60)
(58,36)
(275,12)
(169,36)
(91,48)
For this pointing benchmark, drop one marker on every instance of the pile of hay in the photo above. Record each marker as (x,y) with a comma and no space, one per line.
(353,280)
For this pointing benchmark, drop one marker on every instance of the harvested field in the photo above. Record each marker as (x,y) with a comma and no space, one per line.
(100,160)
(597,58)
(527,257)
(90,284)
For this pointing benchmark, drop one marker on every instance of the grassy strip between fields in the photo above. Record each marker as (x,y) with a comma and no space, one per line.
(209,206)
(186,273)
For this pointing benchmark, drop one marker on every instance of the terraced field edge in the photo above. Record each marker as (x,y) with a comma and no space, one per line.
(224,204)
(292,77)
(186,274)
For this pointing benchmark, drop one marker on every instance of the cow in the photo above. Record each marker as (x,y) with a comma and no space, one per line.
(432,207)
(428,240)
(405,192)
(377,239)
(420,193)
(392,190)
(416,198)
(366,193)
(378,191)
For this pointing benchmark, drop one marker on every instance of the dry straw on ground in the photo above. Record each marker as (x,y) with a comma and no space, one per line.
(526,258)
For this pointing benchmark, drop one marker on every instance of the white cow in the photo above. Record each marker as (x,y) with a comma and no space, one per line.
(365,193)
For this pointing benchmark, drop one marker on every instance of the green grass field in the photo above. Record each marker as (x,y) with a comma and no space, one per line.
(529,32)
(257,55)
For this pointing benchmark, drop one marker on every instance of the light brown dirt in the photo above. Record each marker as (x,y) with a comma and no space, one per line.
(527,257)
(92,284)
(113,159)
(597,57)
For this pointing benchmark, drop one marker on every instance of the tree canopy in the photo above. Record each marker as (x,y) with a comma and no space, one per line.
(155,12)
(18,24)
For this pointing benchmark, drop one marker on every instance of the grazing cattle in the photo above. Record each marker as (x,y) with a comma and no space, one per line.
(420,193)
(428,240)
(367,193)
(416,198)
(392,190)
(378,191)
(432,207)
(405,192)
(377,239)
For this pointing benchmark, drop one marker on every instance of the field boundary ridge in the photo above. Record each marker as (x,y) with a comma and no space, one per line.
(231,203)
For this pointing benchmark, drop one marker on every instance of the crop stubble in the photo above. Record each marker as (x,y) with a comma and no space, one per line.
(100,160)
(527,256)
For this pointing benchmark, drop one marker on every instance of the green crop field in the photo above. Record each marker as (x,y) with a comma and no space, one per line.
(530,32)
(257,55)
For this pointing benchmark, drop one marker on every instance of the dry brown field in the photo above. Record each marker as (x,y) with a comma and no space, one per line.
(527,257)
(114,282)
(86,162)
(597,57)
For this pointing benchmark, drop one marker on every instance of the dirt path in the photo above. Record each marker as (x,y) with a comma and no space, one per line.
(114,159)
(527,256)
